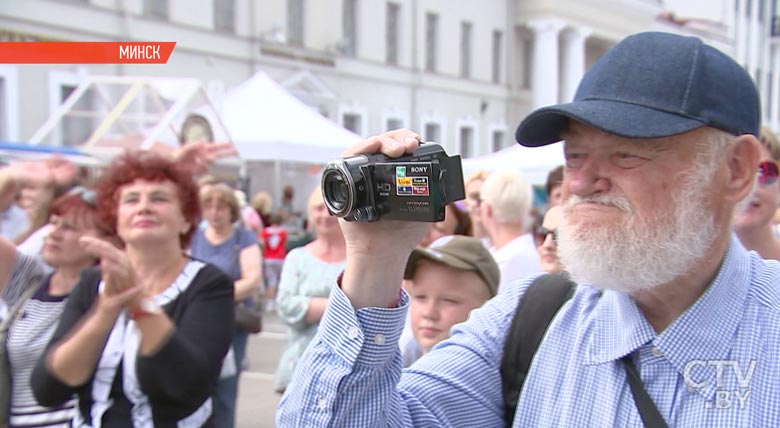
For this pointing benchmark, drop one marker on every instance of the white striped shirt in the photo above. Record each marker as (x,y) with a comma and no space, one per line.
(715,366)
(27,338)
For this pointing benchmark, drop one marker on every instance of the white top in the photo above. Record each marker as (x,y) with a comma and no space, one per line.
(13,222)
(33,245)
(518,259)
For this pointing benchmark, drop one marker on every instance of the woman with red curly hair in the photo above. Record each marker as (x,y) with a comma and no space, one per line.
(33,299)
(142,338)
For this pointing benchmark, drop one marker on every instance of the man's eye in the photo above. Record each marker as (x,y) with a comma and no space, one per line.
(627,160)
(574,160)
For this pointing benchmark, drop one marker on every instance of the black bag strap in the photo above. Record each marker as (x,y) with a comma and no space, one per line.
(537,307)
(651,417)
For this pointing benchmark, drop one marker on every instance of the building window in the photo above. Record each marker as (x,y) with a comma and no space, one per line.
(76,130)
(392,33)
(465,49)
(349,21)
(466,141)
(295,22)
(431,40)
(528,52)
(498,38)
(225,15)
(352,122)
(433,132)
(156,9)
(393,123)
(497,140)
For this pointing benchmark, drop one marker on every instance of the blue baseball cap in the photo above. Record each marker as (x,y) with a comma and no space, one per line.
(653,85)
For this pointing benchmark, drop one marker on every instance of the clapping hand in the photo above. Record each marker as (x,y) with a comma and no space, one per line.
(120,285)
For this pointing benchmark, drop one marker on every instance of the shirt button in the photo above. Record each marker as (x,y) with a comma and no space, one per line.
(379,339)
(322,404)
(353,332)
(655,351)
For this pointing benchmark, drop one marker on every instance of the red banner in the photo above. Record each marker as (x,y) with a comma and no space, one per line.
(85,52)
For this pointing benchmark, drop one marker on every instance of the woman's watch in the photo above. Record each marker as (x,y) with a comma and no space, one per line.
(146,307)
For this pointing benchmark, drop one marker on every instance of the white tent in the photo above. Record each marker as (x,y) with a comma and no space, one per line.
(534,162)
(281,140)
(265,122)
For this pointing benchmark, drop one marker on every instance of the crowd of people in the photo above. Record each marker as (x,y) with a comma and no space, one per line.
(120,294)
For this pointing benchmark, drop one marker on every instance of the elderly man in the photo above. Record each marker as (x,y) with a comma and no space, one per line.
(506,204)
(660,147)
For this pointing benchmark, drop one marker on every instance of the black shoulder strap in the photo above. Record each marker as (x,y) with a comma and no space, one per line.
(538,306)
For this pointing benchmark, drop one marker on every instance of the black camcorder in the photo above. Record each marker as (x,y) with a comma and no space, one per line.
(414,187)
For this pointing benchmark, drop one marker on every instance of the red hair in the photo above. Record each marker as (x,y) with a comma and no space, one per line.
(81,209)
(150,166)
(79,206)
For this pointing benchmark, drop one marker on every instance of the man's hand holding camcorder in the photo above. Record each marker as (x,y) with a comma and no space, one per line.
(377,251)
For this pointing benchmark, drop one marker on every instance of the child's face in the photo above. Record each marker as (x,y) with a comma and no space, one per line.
(442,296)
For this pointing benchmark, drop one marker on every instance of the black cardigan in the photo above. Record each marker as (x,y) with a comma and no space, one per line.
(182,375)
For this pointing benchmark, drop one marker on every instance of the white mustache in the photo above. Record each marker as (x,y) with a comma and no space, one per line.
(618,202)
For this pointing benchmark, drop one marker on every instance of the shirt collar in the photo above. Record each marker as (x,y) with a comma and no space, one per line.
(705,331)
(618,327)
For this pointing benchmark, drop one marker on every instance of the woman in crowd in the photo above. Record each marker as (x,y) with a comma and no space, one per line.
(753,221)
(308,274)
(546,236)
(41,298)
(142,339)
(472,202)
(261,202)
(34,185)
(233,249)
(456,222)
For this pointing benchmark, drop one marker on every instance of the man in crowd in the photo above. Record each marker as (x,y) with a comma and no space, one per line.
(660,146)
(506,205)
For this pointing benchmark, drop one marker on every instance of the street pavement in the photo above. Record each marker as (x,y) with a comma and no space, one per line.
(256,397)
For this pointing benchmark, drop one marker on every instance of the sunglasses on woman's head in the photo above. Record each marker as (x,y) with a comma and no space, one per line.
(768,172)
(87,195)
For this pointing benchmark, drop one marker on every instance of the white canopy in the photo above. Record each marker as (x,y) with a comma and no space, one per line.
(265,122)
(534,162)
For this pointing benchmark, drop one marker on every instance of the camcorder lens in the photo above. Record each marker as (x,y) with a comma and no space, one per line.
(336,190)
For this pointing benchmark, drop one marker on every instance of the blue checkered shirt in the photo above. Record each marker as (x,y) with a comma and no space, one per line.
(717,365)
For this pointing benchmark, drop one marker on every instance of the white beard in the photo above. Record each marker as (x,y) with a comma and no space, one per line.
(639,253)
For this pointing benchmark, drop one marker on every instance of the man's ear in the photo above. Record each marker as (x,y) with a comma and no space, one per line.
(487,211)
(742,167)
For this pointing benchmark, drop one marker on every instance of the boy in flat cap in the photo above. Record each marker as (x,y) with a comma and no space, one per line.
(447,280)
(673,322)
